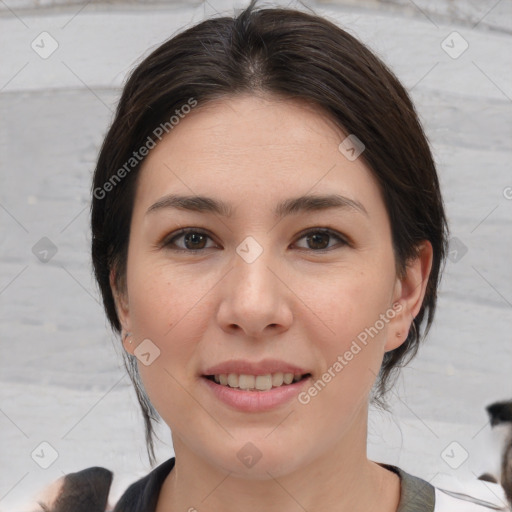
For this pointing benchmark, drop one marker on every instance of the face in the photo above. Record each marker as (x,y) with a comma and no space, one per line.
(260,288)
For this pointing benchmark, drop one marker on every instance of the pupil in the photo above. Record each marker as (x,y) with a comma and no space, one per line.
(194,238)
(318,238)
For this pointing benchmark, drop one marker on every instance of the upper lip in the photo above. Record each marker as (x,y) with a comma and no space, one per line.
(263,367)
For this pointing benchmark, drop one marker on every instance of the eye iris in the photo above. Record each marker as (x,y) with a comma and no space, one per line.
(194,238)
(318,238)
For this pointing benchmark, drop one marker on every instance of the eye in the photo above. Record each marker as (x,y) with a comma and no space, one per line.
(318,239)
(193,240)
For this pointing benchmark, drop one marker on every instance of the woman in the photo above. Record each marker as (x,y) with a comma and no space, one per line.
(268,237)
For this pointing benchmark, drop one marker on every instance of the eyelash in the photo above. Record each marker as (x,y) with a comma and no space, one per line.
(169,241)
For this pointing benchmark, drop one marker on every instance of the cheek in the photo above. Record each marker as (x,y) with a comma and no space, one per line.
(349,301)
(162,298)
(354,309)
(351,359)
(169,308)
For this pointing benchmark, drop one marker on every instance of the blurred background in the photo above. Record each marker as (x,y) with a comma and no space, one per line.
(65,402)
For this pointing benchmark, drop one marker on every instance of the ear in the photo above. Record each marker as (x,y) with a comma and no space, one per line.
(123,311)
(409,293)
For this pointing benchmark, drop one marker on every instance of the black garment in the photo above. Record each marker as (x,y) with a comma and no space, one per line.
(416,495)
(142,496)
(87,491)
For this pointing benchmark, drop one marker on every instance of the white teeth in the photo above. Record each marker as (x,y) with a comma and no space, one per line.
(277,379)
(232,380)
(288,378)
(263,382)
(246,381)
(256,382)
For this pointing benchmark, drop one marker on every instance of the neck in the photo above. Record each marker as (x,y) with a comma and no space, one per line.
(337,480)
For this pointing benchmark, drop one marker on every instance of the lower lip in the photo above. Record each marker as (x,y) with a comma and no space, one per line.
(256,401)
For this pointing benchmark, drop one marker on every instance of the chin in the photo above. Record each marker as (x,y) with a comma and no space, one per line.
(259,459)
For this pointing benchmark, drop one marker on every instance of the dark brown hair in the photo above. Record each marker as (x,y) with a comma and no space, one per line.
(291,54)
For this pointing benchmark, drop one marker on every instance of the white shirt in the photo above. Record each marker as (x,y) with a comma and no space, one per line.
(452,501)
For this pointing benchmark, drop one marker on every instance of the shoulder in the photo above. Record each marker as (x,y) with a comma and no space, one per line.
(143,494)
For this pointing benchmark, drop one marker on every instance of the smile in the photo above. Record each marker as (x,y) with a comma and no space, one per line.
(256,382)
(246,397)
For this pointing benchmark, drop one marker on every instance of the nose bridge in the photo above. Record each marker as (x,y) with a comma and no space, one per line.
(254,298)
(252,277)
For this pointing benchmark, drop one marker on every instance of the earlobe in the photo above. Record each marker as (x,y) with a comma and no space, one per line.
(409,293)
(127,339)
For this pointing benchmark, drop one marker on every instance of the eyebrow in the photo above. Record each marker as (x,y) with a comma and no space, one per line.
(290,206)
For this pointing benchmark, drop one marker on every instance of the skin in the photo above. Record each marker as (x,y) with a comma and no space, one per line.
(293,303)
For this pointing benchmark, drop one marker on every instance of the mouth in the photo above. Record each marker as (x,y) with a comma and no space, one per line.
(257,383)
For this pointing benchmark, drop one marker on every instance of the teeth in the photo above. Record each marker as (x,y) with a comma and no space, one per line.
(263,382)
(256,382)
(246,381)
(288,378)
(277,379)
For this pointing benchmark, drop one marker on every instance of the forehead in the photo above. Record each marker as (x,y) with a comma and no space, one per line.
(256,146)
(247,124)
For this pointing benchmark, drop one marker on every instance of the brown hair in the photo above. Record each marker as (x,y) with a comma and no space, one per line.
(292,54)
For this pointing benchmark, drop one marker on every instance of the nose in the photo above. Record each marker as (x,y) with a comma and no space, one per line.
(255,300)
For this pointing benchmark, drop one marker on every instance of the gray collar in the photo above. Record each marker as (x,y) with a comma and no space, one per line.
(416,494)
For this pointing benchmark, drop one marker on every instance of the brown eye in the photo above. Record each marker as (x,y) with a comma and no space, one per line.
(193,240)
(319,239)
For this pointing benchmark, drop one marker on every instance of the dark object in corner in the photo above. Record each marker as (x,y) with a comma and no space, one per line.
(84,491)
(501,413)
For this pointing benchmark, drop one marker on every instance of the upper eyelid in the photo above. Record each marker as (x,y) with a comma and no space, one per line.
(330,231)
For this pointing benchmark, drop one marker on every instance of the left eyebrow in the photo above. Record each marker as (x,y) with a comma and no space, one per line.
(290,206)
